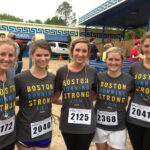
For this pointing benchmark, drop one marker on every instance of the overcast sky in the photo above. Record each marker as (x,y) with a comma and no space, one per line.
(43,9)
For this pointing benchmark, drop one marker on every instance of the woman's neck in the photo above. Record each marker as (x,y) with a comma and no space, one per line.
(146,63)
(38,73)
(114,74)
(3,75)
(75,67)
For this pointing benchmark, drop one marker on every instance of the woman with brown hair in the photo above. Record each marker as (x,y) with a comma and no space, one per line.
(35,88)
(139,108)
(77,83)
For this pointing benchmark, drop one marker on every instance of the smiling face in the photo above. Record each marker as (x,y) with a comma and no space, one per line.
(7,56)
(41,58)
(114,62)
(146,48)
(80,53)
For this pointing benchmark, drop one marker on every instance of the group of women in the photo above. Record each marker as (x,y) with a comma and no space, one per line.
(75,86)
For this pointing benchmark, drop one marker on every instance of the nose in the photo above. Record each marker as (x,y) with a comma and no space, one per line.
(113,62)
(80,53)
(43,57)
(6,58)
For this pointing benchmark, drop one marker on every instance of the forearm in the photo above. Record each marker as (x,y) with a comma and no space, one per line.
(94,95)
(57,99)
(17,101)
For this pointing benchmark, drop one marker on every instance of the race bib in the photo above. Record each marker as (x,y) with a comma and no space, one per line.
(7,126)
(79,116)
(41,127)
(140,112)
(107,118)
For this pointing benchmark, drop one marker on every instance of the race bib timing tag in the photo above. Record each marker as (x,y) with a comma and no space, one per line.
(107,118)
(79,116)
(7,126)
(140,112)
(41,127)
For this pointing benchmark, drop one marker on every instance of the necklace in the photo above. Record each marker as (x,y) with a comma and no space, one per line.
(5,111)
(3,78)
(85,71)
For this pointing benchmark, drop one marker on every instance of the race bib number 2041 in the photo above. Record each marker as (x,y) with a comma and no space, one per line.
(140,112)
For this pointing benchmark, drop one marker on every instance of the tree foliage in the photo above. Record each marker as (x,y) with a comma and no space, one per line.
(65,12)
(64,16)
(10,18)
(36,21)
(138,32)
(55,21)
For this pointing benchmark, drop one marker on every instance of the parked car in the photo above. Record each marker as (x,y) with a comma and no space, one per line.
(60,48)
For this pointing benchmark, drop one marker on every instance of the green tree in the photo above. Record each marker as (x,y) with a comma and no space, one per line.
(65,12)
(55,21)
(48,21)
(139,33)
(10,18)
(58,21)
(38,21)
(30,21)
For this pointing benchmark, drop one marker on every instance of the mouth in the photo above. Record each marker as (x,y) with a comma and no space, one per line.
(5,64)
(43,63)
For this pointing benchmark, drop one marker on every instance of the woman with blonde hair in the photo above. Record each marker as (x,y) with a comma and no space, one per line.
(114,87)
(7,95)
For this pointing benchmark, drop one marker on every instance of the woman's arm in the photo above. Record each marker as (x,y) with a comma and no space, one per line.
(93,95)
(17,101)
(56,98)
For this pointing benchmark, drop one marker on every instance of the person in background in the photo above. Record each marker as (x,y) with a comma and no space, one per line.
(135,53)
(114,87)
(19,68)
(93,49)
(139,108)
(11,36)
(7,96)
(106,47)
(77,83)
(29,44)
(35,88)
(2,35)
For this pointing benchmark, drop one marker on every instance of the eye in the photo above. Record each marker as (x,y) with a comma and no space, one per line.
(77,50)
(84,51)
(110,59)
(3,54)
(117,59)
(146,46)
(46,55)
(38,55)
(11,55)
